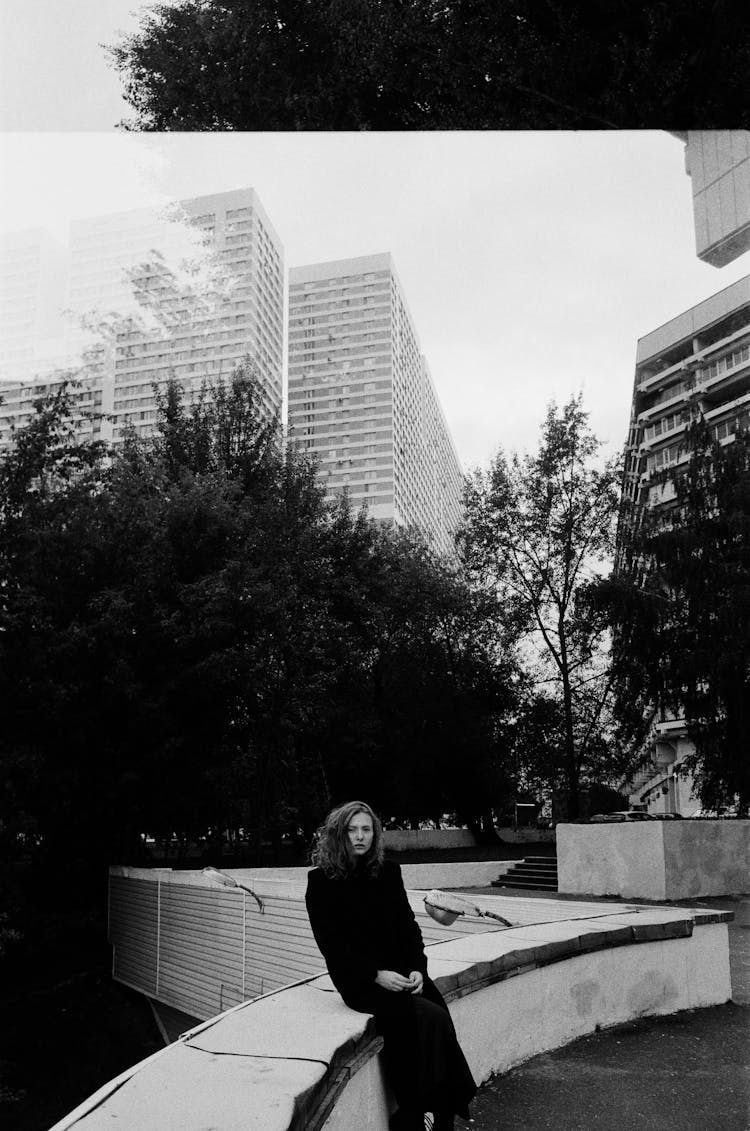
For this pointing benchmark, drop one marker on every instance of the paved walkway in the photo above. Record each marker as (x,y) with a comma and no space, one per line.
(688,1072)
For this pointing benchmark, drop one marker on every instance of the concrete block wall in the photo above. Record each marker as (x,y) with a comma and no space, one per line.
(659,860)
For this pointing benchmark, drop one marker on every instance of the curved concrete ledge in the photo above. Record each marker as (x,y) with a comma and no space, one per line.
(299,1059)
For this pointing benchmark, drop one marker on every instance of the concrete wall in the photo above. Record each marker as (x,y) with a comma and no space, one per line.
(612,859)
(400,840)
(655,859)
(404,840)
(530,835)
(471,874)
(706,858)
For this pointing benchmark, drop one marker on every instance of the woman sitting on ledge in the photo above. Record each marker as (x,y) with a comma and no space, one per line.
(373,948)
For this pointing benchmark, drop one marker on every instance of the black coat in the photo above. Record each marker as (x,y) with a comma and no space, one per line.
(363,924)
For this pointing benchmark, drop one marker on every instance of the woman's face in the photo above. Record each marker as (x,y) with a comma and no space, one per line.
(360,833)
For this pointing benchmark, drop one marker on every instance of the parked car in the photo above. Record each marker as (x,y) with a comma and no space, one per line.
(623,815)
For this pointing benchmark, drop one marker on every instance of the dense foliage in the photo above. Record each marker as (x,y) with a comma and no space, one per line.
(680,608)
(538,528)
(193,641)
(432,64)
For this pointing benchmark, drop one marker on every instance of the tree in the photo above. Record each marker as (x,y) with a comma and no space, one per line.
(141,617)
(45,470)
(538,527)
(193,641)
(420,64)
(443,687)
(680,609)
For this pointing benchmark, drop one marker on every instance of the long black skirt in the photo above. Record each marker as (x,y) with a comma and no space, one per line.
(423,1059)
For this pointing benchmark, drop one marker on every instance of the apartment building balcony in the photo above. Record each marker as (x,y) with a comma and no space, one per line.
(651,440)
(649,477)
(734,382)
(651,382)
(671,399)
(727,413)
(660,782)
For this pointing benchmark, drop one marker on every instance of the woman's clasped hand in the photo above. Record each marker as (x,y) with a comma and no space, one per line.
(391,980)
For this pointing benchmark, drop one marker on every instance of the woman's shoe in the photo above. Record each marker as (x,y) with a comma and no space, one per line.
(404,1120)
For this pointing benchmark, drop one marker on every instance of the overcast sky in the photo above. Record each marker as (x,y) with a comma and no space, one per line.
(54,73)
(532,262)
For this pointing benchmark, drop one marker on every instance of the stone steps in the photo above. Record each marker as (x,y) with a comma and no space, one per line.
(533,872)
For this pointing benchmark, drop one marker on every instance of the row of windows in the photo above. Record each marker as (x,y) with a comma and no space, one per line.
(339,300)
(318,339)
(337,281)
(665,457)
(666,424)
(344,320)
(729,427)
(304,396)
(671,454)
(320,418)
(680,389)
(365,304)
(353,433)
(729,361)
(314,380)
(313,409)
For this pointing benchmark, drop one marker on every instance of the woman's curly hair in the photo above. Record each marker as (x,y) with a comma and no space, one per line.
(331,850)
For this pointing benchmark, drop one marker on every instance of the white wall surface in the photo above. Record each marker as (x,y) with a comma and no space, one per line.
(655,859)
(612,859)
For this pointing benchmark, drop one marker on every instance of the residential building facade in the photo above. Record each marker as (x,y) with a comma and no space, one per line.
(697,363)
(362,400)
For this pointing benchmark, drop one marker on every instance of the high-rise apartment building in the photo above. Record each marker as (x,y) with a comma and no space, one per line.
(697,363)
(362,400)
(187,296)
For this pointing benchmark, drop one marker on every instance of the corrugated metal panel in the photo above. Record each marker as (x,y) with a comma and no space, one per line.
(133,931)
(280,947)
(201,950)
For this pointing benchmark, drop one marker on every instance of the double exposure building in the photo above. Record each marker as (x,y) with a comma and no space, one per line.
(187,295)
(32,291)
(362,400)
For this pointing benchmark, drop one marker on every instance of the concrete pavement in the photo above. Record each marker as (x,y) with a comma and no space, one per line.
(686,1072)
